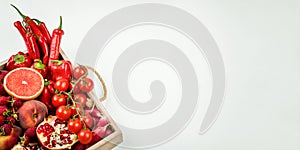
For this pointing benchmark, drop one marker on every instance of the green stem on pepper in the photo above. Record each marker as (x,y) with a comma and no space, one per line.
(39,64)
(19,59)
(58,62)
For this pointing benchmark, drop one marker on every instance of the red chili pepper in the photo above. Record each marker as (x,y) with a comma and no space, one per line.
(28,29)
(61,69)
(18,60)
(45,50)
(40,67)
(46,95)
(21,29)
(34,52)
(42,26)
(30,22)
(50,86)
(31,26)
(29,48)
(55,43)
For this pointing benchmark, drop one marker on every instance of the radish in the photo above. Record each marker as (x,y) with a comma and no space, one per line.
(101,131)
(108,132)
(103,121)
(96,113)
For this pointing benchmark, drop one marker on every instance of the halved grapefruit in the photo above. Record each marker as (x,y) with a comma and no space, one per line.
(24,83)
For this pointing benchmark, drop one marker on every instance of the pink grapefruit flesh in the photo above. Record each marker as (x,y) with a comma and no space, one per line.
(24,83)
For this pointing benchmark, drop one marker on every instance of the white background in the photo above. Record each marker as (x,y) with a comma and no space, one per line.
(259,42)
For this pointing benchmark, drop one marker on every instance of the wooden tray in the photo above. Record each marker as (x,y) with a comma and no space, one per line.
(115,137)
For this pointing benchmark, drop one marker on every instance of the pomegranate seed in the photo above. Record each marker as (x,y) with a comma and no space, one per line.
(54,142)
(69,141)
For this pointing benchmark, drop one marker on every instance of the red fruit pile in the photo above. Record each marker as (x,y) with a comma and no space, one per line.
(59,116)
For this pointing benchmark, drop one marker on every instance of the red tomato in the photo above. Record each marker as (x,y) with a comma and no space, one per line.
(58,100)
(79,71)
(85,136)
(74,125)
(73,109)
(81,99)
(76,88)
(88,120)
(61,85)
(63,113)
(86,84)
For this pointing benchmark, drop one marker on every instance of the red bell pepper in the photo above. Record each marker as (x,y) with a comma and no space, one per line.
(61,69)
(18,60)
(40,67)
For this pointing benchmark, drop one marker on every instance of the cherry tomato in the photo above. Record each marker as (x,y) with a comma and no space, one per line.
(76,89)
(88,120)
(86,84)
(63,113)
(79,71)
(74,125)
(85,136)
(61,85)
(80,98)
(73,109)
(58,100)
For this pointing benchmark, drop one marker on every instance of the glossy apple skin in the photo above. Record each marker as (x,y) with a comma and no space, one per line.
(31,113)
(8,141)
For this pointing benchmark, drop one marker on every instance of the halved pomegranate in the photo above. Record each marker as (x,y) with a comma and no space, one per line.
(54,134)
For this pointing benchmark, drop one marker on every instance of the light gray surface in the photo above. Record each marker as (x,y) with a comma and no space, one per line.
(259,42)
